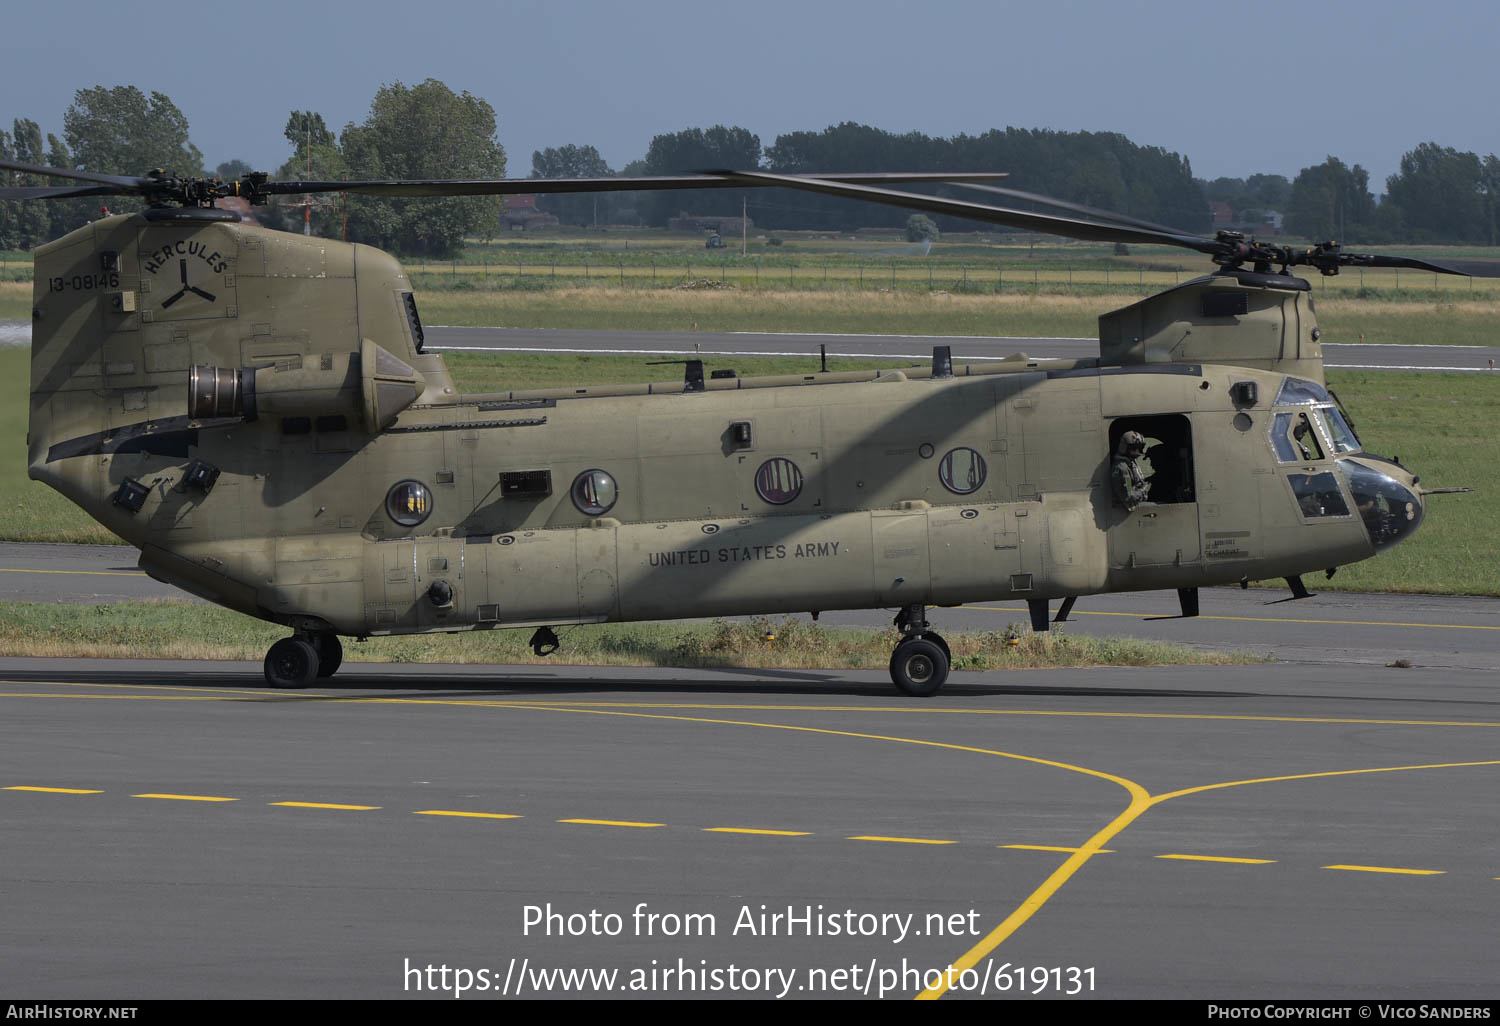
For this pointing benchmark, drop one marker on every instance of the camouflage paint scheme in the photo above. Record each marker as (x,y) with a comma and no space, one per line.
(895,488)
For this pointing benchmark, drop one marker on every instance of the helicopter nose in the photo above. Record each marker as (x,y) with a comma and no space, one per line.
(1386,496)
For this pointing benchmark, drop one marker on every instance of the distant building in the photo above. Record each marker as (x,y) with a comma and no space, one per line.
(1223,213)
(520,214)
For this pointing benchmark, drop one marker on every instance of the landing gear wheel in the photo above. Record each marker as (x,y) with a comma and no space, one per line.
(919,666)
(937,639)
(330,654)
(291,663)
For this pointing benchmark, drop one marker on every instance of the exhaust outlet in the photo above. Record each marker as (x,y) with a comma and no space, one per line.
(220,392)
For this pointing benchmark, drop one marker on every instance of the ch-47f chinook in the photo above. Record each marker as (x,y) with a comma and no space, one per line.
(254,411)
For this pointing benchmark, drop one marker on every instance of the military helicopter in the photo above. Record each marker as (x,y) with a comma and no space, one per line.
(255,411)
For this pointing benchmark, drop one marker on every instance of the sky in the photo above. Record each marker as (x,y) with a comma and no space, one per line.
(1237,88)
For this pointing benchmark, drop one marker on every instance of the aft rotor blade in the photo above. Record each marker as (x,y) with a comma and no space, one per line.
(649,183)
(35,192)
(127,184)
(1050,223)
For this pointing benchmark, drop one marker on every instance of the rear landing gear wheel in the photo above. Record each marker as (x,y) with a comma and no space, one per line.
(937,639)
(291,663)
(919,666)
(330,653)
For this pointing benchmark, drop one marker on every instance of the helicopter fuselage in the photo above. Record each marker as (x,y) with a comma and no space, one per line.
(254,411)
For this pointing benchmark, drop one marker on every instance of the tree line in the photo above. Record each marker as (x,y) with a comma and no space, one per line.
(1439,195)
(422,131)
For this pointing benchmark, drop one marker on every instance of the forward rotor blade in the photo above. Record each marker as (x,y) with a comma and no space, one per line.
(1103,216)
(1026,220)
(126,184)
(1472,268)
(524,186)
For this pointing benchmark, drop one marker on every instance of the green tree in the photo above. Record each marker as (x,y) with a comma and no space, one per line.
(232,169)
(1331,201)
(697,149)
(306,128)
(10,236)
(847,146)
(421,132)
(24,223)
(1440,194)
(574,162)
(919,227)
(65,215)
(1269,191)
(628,207)
(33,218)
(316,156)
(1490,184)
(120,131)
(1101,169)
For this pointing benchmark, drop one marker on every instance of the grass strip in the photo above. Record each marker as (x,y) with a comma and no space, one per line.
(169,629)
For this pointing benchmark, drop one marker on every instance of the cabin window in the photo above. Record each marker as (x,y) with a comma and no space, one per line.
(1168,460)
(594,493)
(778,481)
(962,471)
(408,503)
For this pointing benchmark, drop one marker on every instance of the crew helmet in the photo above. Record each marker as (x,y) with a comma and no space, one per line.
(1132,443)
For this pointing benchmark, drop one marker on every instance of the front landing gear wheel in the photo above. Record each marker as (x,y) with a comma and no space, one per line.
(291,663)
(919,667)
(330,654)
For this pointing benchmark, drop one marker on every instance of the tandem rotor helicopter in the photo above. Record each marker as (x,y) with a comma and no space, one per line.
(255,412)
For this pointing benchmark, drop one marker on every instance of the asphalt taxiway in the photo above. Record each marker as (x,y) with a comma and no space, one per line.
(1272,831)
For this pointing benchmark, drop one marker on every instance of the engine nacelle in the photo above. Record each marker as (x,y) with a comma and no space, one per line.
(371,385)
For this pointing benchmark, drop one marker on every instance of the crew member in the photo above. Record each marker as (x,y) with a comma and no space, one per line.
(1126,477)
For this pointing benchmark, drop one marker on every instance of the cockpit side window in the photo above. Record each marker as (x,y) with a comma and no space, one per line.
(1295,439)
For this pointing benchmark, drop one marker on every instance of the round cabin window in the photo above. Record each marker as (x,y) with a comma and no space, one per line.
(778,481)
(408,503)
(594,493)
(962,471)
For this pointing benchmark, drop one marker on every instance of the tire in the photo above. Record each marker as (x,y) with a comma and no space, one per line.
(330,654)
(938,640)
(291,663)
(919,667)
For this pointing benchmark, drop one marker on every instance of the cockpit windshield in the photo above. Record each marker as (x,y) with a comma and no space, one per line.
(1390,510)
(1295,391)
(1339,431)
